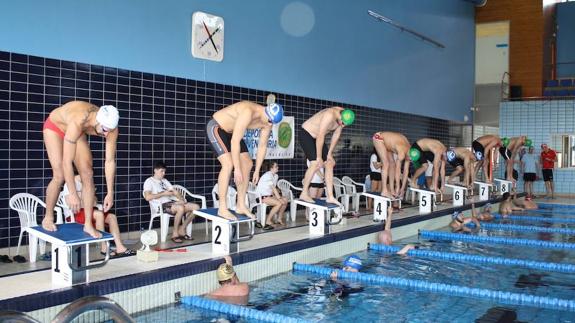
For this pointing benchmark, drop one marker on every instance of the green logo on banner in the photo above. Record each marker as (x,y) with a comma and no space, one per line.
(284,135)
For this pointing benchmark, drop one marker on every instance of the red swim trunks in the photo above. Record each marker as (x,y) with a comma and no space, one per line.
(80,217)
(377,137)
(48,124)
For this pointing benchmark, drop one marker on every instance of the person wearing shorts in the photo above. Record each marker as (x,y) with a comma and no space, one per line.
(425,151)
(548,159)
(483,150)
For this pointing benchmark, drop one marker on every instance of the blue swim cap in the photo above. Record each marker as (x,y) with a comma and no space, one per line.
(275,112)
(450,154)
(353,261)
(455,214)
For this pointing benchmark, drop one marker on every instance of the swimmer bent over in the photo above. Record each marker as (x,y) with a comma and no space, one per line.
(225,133)
(65,136)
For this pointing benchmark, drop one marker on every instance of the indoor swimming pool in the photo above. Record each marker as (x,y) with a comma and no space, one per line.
(313,297)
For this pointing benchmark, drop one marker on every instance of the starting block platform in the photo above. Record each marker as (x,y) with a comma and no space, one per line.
(503,185)
(459,193)
(70,252)
(426,199)
(226,233)
(319,215)
(380,205)
(484,190)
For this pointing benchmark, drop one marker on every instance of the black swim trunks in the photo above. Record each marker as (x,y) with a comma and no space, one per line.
(375,176)
(220,140)
(307,143)
(529,177)
(425,155)
(456,162)
(505,153)
(547,174)
(478,150)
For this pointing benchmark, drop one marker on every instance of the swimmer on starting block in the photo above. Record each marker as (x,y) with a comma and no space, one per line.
(387,144)
(65,136)
(432,151)
(462,159)
(509,150)
(312,140)
(225,133)
(483,150)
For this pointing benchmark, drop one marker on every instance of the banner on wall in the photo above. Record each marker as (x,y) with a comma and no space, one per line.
(280,143)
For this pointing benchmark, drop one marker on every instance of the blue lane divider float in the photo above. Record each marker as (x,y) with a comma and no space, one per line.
(555,206)
(523,228)
(477,259)
(496,240)
(534,218)
(447,289)
(551,212)
(241,311)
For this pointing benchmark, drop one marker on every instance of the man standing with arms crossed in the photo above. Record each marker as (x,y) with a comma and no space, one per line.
(548,159)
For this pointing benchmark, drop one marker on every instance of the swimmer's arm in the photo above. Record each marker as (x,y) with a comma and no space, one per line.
(320,138)
(388,219)
(110,164)
(262,148)
(442,174)
(405,249)
(73,134)
(334,140)
(240,127)
(405,174)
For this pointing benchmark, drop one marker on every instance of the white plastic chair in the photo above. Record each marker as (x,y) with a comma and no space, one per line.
(232,195)
(156,211)
(286,189)
(68,214)
(351,189)
(340,193)
(185,193)
(255,200)
(27,205)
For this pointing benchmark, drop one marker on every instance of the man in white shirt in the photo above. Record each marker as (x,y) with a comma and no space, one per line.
(529,163)
(160,191)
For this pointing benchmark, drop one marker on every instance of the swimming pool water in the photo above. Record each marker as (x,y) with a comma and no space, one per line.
(314,298)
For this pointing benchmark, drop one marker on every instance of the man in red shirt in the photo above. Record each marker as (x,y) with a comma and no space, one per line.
(548,159)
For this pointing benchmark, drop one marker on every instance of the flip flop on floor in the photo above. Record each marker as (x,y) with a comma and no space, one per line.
(19,259)
(186,237)
(177,240)
(268,227)
(259,225)
(5,259)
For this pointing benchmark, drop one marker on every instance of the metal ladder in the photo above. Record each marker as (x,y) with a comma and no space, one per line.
(73,310)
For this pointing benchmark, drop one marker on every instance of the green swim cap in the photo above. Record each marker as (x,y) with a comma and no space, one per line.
(347,117)
(414,154)
(528,143)
(416,164)
(505,141)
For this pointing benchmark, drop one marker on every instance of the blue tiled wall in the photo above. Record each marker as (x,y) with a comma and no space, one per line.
(539,121)
(162,118)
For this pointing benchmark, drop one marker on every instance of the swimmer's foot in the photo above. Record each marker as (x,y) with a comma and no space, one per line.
(226,214)
(48,224)
(92,232)
(246,212)
(387,194)
(305,197)
(413,184)
(333,201)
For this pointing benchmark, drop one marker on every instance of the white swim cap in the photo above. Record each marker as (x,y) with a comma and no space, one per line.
(108,116)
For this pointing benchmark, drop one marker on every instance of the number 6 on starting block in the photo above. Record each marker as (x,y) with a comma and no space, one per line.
(459,193)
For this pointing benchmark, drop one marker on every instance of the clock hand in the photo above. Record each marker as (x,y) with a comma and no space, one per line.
(210,36)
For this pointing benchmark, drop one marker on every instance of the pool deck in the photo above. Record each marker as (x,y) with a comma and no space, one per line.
(33,290)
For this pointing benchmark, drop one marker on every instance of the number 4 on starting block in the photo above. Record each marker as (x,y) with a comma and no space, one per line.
(380,205)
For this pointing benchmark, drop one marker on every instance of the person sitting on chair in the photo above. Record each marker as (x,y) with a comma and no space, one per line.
(100,219)
(271,196)
(172,202)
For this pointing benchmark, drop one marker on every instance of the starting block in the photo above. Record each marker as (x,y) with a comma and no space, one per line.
(380,204)
(503,185)
(484,190)
(459,193)
(70,252)
(426,199)
(319,219)
(226,233)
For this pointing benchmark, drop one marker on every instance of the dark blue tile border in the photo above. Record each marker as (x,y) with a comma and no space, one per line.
(63,296)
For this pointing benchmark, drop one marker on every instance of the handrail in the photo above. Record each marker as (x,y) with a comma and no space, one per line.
(8,316)
(91,303)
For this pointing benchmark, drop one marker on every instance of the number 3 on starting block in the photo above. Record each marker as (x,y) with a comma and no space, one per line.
(316,221)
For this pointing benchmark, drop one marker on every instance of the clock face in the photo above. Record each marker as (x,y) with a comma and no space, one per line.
(207,36)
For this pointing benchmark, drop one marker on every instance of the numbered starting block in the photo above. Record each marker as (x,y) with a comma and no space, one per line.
(226,233)
(320,220)
(380,204)
(70,252)
(459,193)
(503,185)
(484,190)
(426,199)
